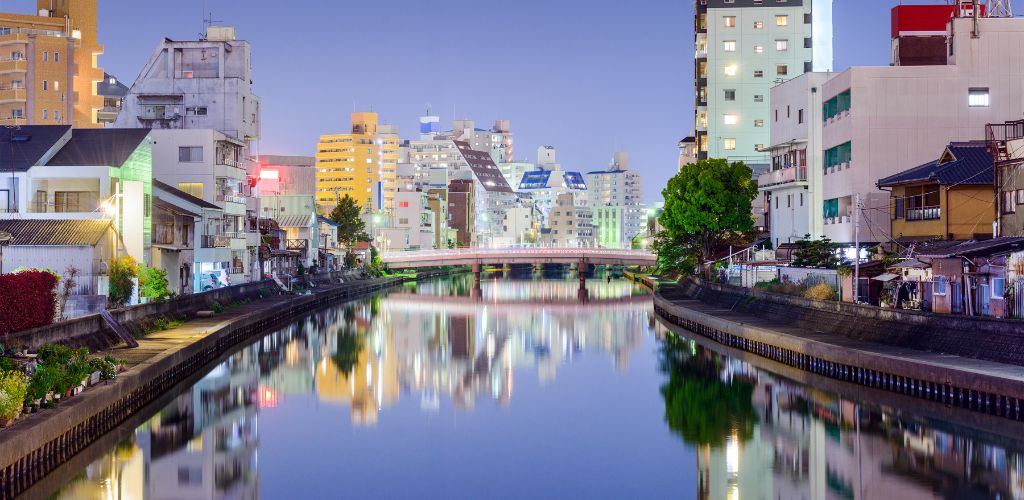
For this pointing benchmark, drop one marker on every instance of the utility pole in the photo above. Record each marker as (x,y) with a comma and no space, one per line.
(856,249)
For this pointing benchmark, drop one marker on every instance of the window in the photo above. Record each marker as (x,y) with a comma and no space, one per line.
(17,113)
(800,116)
(977,98)
(729,144)
(939,286)
(196,111)
(730,70)
(730,94)
(801,199)
(807,42)
(56,57)
(781,70)
(1009,206)
(46,56)
(730,21)
(1020,196)
(729,45)
(789,201)
(56,85)
(901,207)
(46,85)
(837,105)
(758,25)
(782,20)
(840,154)
(807,18)
(758,73)
(759,98)
(759,49)
(998,287)
(781,45)
(403,204)
(46,114)
(758,123)
(190,154)
(759,147)
(731,119)
(56,116)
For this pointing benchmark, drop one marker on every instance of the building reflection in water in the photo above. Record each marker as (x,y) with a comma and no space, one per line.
(758,435)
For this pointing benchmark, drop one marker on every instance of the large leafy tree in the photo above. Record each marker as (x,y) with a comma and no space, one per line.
(707,206)
(350,227)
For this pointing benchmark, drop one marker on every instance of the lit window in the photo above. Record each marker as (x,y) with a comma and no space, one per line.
(730,21)
(781,45)
(782,20)
(758,25)
(729,144)
(758,123)
(759,49)
(977,98)
(731,119)
(782,70)
(730,70)
(729,45)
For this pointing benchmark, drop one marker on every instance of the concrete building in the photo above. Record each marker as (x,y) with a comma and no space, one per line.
(1006,140)
(412,226)
(493,195)
(570,222)
(462,212)
(614,194)
(522,225)
(687,150)
(208,165)
(362,164)
(287,175)
(197,84)
(791,191)
(49,68)
(496,141)
(879,121)
(743,47)
(437,202)
(113,92)
(513,171)
(617,226)
(210,250)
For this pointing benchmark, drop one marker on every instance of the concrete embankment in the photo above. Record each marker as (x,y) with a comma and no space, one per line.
(820,344)
(39,444)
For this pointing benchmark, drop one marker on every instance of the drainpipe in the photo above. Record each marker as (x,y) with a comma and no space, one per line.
(976,33)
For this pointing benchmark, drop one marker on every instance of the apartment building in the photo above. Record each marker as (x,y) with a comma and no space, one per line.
(362,164)
(570,222)
(48,65)
(496,141)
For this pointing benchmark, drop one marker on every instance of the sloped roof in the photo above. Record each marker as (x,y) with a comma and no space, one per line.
(294,220)
(327,221)
(171,207)
(31,143)
(984,247)
(967,163)
(484,168)
(183,195)
(535,179)
(55,232)
(99,147)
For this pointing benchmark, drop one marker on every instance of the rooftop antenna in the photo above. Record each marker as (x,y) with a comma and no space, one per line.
(428,109)
(208,21)
(999,8)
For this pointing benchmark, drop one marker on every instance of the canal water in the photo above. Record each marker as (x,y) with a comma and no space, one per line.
(528,389)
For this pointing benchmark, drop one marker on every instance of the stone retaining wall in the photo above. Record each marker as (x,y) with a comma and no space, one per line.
(966,336)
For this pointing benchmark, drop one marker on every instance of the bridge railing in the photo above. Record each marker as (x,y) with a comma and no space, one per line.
(470,253)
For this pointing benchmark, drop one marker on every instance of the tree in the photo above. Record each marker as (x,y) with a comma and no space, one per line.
(816,253)
(707,206)
(122,271)
(351,228)
(153,283)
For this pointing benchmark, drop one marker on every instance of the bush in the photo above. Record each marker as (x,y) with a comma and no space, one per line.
(821,291)
(153,283)
(29,300)
(107,366)
(122,270)
(42,382)
(13,386)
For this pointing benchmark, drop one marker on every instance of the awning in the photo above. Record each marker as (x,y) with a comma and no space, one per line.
(911,264)
(886,277)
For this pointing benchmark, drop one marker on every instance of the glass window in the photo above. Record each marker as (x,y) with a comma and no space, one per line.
(940,285)
(998,287)
(782,20)
(781,70)
(730,94)
(731,119)
(758,25)
(730,21)
(190,154)
(781,45)
(978,98)
(729,144)
(729,45)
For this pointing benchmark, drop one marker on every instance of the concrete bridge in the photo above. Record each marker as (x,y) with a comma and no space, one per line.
(479,257)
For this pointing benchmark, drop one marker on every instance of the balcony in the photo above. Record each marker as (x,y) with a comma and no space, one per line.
(296,244)
(782,176)
(13,65)
(215,241)
(12,94)
(924,213)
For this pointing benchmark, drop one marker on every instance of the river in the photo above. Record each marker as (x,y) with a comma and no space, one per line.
(529,391)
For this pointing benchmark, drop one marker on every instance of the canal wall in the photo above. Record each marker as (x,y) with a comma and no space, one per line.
(33,448)
(981,386)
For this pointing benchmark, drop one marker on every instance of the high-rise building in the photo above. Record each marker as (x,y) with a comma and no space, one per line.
(48,73)
(743,48)
(362,164)
(617,192)
(497,141)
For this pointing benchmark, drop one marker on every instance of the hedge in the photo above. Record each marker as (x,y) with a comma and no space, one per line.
(27,299)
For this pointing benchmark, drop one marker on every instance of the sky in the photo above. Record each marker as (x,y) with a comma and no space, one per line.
(589,78)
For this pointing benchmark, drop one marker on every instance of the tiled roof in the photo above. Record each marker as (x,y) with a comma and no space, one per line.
(59,232)
(99,147)
(961,163)
(294,220)
(31,143)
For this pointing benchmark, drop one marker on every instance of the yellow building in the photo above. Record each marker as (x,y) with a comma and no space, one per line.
(361,164)
(950,198)
(48,65)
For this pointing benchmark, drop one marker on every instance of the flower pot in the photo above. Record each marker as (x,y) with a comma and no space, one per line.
(6,422)
(68,393)
(94,378)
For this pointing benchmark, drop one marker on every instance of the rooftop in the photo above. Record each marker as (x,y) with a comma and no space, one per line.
(99,147)
(30,144)
(960,163)
(55,232)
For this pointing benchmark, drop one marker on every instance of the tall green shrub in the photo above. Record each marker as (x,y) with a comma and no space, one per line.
(122,270)
(153,283)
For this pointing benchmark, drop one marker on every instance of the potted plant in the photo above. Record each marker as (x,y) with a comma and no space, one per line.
(39,386)
(13,386)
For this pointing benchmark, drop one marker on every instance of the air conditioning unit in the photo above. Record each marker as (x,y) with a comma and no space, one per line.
(44,13)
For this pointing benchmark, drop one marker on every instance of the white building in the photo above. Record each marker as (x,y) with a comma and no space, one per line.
(791,190)
(570,222)
(743,47)
(879,121)
(615,196)
(182,256)
(496,141)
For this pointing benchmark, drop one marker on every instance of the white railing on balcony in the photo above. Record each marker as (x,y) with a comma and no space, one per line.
(782,176)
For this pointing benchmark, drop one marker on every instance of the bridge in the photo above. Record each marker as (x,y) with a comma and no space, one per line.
(539,255)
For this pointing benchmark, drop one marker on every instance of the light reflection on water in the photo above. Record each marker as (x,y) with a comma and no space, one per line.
(529,390)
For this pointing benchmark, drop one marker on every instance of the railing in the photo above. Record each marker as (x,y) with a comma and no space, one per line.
(237,270)
(215,241)
(231,197)
(924,213)
(296,244)
(782,176)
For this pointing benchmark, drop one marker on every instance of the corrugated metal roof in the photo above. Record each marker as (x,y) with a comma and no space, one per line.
(961,163)
(294,220)
(55,232)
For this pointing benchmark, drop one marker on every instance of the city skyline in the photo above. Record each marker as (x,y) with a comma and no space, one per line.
(550,72)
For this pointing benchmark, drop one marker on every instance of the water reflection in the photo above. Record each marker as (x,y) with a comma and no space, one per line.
(758,435)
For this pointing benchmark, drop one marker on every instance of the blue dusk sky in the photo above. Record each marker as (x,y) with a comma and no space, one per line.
(587,77)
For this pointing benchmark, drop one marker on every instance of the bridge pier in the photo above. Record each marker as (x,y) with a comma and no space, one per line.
(477,293)
(581,269)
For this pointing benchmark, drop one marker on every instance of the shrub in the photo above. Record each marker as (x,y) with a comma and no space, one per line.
(13,386)
(821,291)
(153,283)
(217,308)
(54,354)
(29,300)
(122,270)
(107,366)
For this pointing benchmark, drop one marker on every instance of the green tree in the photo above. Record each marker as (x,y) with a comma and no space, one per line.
(153,283)
(122,271)
(351,228)
(816,253)
(707,206)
